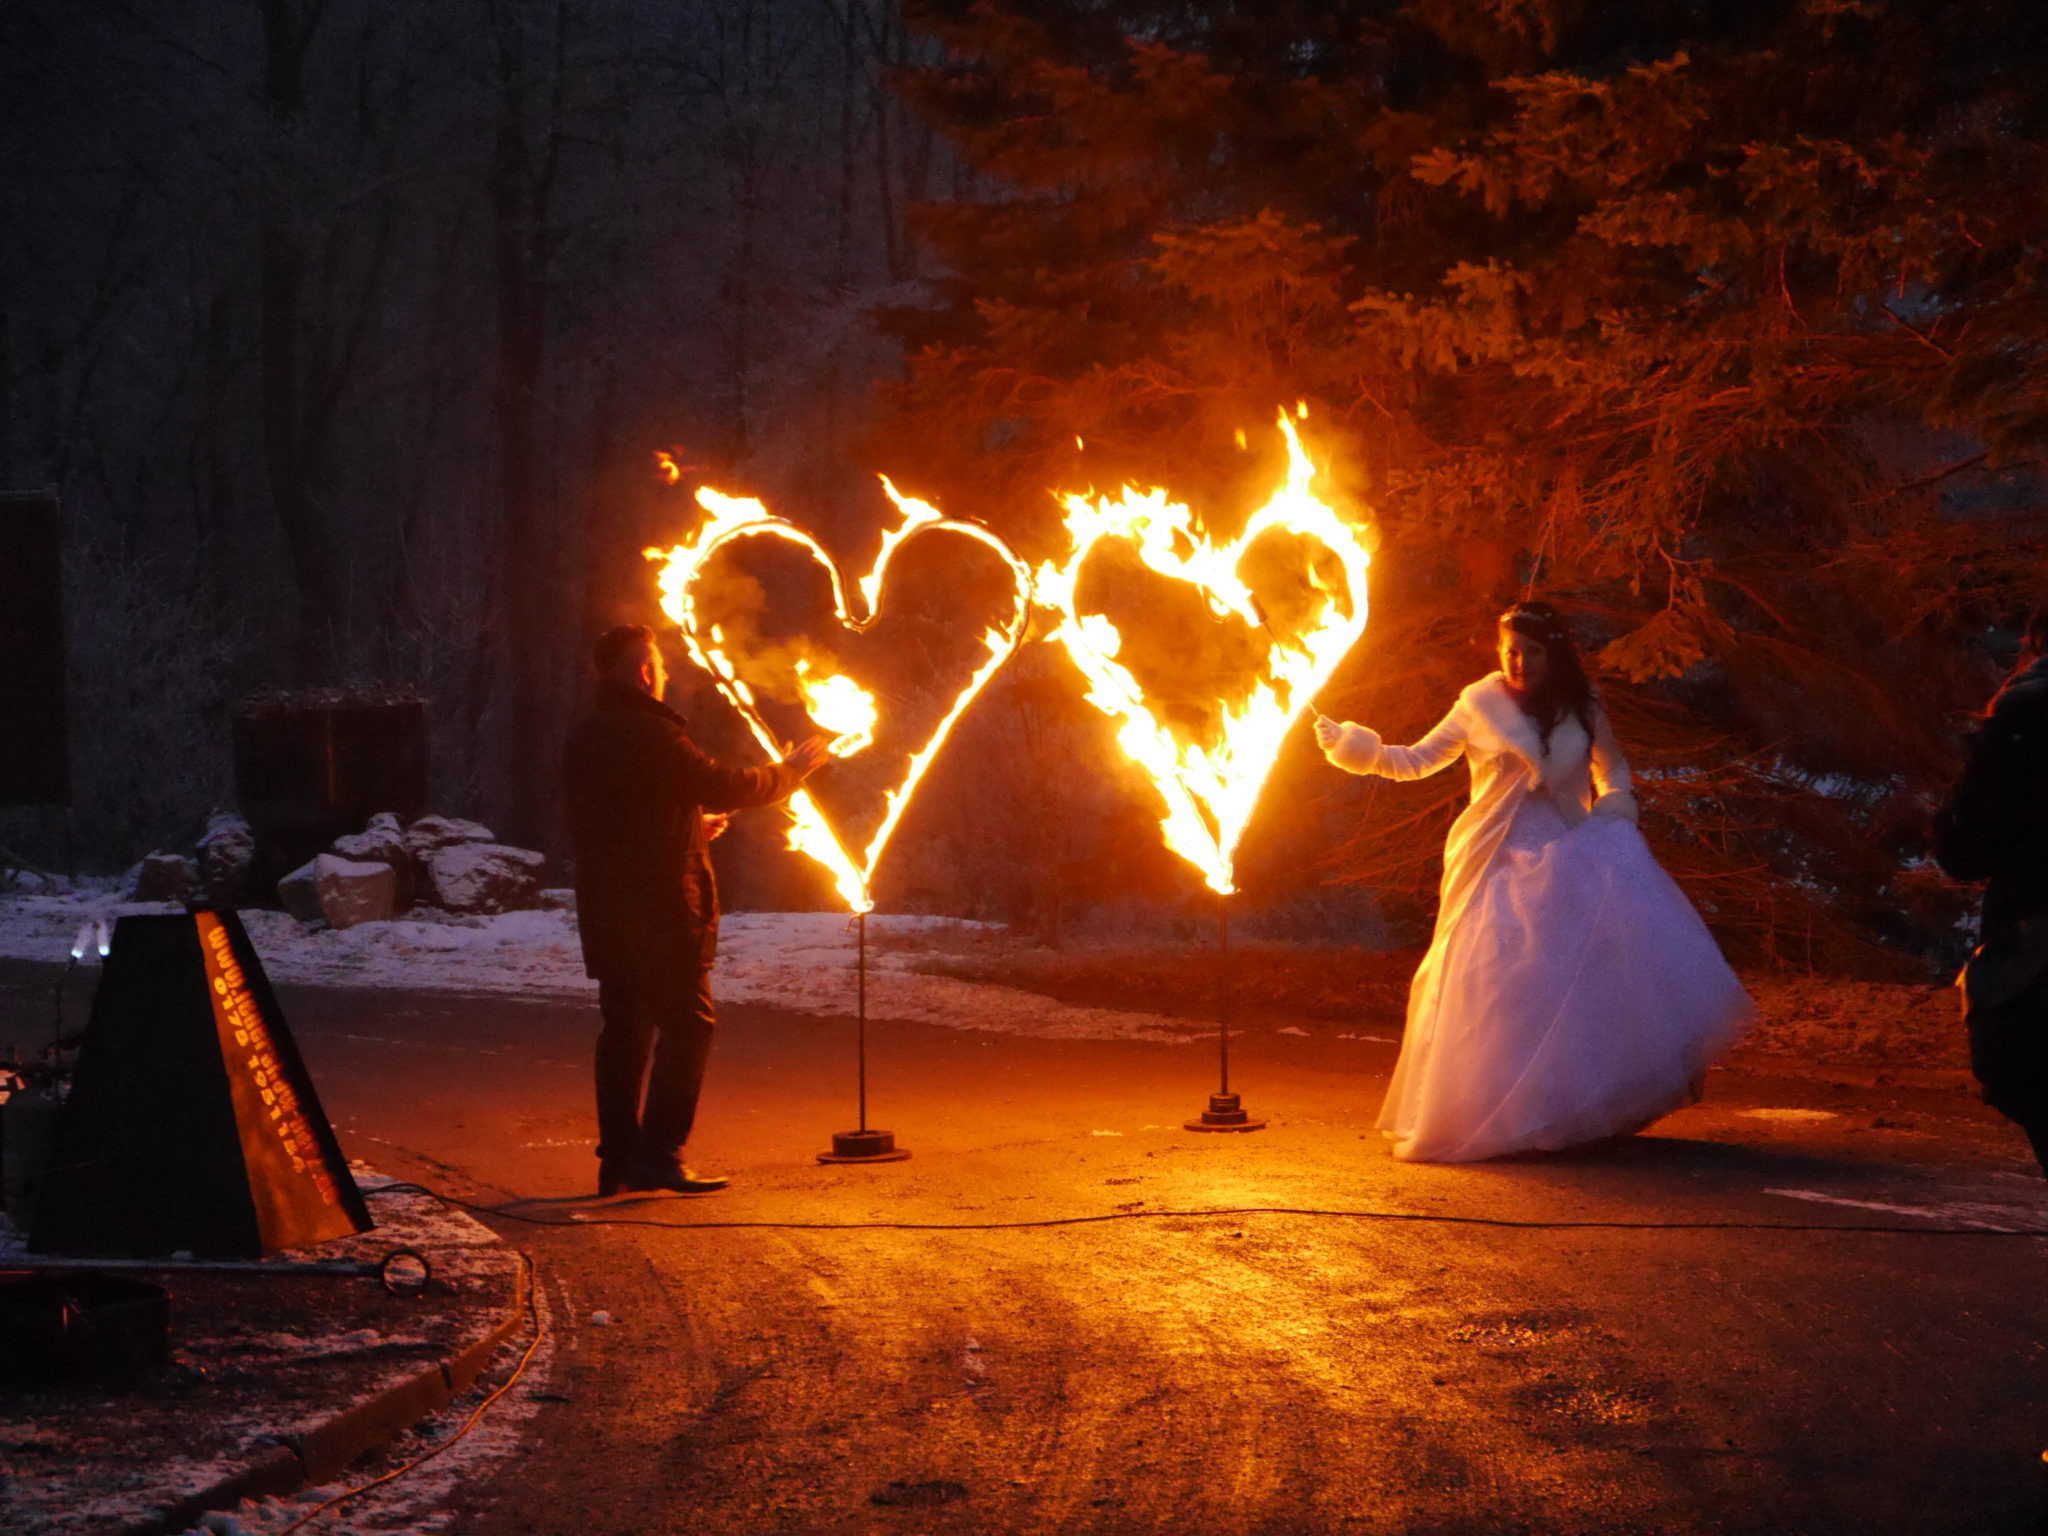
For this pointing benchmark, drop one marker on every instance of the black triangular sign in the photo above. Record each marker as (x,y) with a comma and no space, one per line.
(191,1123)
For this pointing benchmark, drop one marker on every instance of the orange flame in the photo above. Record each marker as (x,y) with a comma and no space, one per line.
(669,469)
(839,705)
(1210,789)
(836,703)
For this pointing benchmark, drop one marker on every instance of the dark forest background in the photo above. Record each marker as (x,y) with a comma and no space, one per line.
(348,330)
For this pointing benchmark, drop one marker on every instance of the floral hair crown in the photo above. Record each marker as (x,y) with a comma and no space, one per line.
(1548,627)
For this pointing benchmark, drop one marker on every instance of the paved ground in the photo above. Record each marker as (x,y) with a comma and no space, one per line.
(1256,1373)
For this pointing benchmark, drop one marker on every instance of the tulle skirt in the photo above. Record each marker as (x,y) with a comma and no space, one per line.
(1577,996)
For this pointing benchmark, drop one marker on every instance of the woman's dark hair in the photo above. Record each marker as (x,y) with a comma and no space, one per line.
(1566,688)
(2033,649)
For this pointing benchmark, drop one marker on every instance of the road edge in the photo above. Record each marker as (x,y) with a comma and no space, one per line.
(322,1453)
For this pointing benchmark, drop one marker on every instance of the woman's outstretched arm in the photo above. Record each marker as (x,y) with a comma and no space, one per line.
(1613,794)
(1356,749)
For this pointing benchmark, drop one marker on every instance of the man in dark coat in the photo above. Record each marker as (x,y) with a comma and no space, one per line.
(1995,828)
(643,804)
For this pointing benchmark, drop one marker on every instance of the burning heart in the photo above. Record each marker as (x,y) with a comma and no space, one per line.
(836,703)
(1210,789)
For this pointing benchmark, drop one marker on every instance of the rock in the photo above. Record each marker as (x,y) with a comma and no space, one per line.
(381,842)
(299,892)
(339,891)
(431,832)
(227,854)
(380,845)
(34,882)
(164,877)
(482,877)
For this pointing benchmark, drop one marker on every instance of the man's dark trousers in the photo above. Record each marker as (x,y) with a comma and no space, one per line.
(665,1013)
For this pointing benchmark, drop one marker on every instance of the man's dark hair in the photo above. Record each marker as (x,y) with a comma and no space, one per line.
(615,645)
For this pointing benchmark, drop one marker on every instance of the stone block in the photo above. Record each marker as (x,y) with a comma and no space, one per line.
(339,892)
(164,877)
(227,857)
(431,832)
(483,877)
(381,842)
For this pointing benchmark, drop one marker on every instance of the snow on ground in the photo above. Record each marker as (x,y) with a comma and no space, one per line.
(801,961)
(411,1505)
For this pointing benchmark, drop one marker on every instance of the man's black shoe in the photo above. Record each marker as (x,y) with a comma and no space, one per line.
(673,1176)
(612,1178)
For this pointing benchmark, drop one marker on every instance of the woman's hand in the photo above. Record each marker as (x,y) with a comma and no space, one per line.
(1328,732)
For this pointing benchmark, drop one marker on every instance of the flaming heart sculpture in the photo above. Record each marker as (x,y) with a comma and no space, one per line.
(837,704)
(1211,788)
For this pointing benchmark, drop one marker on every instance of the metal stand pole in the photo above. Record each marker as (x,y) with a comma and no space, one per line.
(862,1145)
(861,1050)
(1223,993)
(1225,1112)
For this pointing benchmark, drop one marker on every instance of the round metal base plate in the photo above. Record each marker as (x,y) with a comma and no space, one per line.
(864,1147)
(1225,1113)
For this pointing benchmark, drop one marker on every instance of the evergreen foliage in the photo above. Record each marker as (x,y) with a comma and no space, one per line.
(1718,324)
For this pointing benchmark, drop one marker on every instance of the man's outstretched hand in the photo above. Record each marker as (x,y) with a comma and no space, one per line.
(1328,732)
(807,756)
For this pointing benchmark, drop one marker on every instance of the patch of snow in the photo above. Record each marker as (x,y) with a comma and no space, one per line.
(328,1344)
(413,1504)
(804,961)
(1956,1213)
(800,961)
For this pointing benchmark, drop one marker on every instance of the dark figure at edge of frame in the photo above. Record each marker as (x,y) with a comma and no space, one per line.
(644,803)
(1994,827)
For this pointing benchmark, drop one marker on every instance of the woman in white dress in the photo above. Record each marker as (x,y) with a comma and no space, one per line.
(1571,992)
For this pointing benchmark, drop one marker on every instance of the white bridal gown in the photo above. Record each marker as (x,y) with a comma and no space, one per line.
(1571,992)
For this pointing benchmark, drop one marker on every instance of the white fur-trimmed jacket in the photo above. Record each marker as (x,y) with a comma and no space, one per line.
(1581,776)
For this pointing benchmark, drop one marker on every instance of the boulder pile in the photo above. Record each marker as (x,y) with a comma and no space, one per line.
(439,862)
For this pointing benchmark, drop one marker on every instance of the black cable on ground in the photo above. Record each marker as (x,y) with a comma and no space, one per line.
(1432,1218)
(476,1414)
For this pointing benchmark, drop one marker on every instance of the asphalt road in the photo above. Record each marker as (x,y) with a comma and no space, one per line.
(1465,1368)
